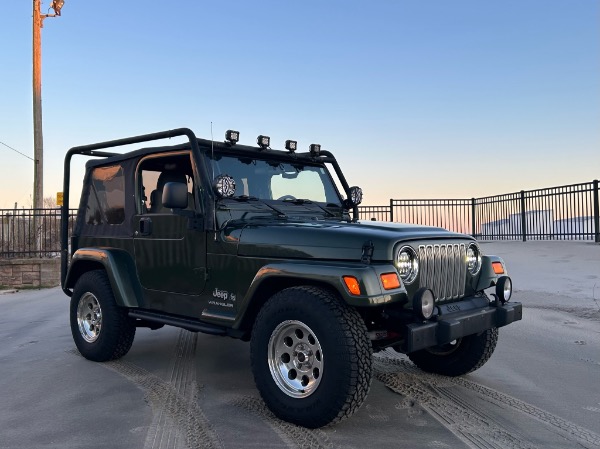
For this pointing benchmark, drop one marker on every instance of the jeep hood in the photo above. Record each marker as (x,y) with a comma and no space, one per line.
(328,240)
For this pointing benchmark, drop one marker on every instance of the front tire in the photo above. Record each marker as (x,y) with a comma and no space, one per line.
(101,330)
(311,357)
(459,357)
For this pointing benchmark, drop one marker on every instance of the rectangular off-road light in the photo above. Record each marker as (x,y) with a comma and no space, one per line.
(232,136)
(291,145)
(263,141)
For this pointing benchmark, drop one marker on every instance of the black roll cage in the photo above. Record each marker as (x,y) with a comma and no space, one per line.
(223,147)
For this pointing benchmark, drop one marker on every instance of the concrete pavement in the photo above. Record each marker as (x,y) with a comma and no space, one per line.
(176,389)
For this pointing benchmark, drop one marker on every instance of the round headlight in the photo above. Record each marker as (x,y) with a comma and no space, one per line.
(407,264)
(473,259)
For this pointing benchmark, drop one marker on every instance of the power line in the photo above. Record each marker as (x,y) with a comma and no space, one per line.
(17,151)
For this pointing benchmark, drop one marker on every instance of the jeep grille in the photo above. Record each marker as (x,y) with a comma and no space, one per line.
(443,269)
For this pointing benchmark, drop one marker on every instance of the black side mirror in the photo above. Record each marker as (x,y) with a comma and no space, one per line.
(175,195)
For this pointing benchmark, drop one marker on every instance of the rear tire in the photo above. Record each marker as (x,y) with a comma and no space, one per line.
(101,329)
(311,357)
(459,357)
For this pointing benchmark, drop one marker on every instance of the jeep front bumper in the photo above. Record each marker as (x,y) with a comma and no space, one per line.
(447,328)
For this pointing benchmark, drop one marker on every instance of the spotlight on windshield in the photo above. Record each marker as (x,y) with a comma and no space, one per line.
(263,142)
(232,136)
(291,145)
(315,149)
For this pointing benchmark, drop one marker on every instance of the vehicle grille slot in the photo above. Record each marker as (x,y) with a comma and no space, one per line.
(443,269)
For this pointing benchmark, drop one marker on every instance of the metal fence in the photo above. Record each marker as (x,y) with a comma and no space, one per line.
(27,233)
(448,214)
(556,213)
(567,212)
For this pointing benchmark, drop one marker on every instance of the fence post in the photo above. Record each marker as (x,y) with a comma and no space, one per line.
(596,213)
(523,220)
(473,217)
(391,210)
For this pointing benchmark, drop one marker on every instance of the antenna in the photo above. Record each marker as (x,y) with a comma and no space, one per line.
(212,152)
(212,163)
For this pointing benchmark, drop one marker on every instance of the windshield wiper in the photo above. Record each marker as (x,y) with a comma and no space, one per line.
(246,198)
(300,201)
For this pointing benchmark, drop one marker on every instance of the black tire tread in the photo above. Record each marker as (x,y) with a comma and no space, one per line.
(118,329)
(357,344)
(474,352)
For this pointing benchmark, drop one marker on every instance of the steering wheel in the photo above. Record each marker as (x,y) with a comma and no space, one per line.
(286,197)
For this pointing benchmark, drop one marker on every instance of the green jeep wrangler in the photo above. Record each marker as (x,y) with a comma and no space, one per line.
(266,246)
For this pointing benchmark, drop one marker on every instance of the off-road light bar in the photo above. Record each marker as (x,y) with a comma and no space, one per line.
(232,136)
(263,141)
(315,149)
(291,145)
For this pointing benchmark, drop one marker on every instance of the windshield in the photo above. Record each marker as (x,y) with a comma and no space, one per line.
(274,180)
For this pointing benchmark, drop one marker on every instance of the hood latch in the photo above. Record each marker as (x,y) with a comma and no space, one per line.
(367,252)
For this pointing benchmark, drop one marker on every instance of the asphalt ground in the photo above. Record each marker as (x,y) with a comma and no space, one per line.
(177,389)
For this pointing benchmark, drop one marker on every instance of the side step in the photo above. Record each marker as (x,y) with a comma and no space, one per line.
(184,323)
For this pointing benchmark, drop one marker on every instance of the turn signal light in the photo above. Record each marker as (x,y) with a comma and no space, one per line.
(352,284)
(498,268)
(390,281)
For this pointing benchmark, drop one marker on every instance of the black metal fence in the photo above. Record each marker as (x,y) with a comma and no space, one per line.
(557,213)
(29,233)
(567,212)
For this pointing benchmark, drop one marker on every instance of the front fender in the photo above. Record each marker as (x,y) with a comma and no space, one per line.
(331,274)
(119,267)
(487,277)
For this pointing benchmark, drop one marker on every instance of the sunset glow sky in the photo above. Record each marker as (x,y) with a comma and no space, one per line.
(417,99)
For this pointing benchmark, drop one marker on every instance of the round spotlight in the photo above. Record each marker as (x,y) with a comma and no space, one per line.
(224,185)
(356,195)
(424,303)
(504,289)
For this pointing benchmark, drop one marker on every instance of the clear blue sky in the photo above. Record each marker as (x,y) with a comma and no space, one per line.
(418,99)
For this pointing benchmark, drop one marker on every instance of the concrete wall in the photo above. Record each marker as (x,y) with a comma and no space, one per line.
(19,273)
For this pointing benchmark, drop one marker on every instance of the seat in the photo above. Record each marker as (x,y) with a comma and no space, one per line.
(156,205)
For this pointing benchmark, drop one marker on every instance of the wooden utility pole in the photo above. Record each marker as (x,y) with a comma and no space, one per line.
(38,140)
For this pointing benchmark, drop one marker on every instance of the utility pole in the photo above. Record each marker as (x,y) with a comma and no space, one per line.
(38,139)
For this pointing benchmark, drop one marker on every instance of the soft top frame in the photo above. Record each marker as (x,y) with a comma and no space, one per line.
(197,147)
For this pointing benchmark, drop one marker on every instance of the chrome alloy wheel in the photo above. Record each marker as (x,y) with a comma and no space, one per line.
(89,317)
(295,359)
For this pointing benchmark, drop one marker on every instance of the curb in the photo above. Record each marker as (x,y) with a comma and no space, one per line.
(7,292)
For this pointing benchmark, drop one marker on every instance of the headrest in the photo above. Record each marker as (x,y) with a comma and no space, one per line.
(170,176)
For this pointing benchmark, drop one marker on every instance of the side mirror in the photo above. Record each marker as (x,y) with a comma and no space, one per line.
(175,195)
